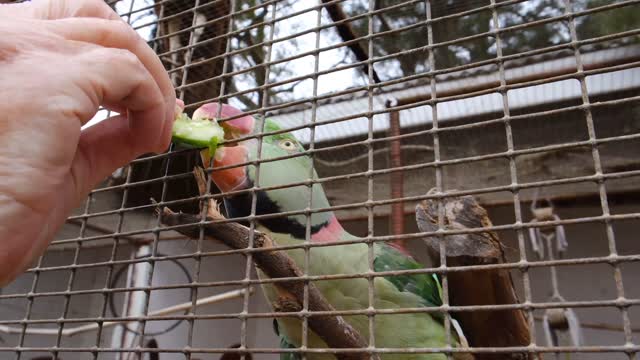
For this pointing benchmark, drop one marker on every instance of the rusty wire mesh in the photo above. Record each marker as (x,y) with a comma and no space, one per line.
(507,101)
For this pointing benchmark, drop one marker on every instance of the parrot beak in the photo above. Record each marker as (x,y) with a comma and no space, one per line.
(234,178)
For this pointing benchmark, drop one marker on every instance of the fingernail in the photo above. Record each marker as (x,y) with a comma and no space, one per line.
(170,110)
(179,108)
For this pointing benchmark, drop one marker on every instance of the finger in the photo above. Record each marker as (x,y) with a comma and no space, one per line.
(17,10)
(117,34)
(117,79)
(60,9)
(102,149)
(114,108)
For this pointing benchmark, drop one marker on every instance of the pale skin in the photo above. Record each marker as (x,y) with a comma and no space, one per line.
(60,60)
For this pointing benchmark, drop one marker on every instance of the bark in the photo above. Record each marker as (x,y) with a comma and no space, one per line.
(348,35)
(481,287)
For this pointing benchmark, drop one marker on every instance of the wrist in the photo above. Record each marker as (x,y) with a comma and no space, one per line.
(24,235)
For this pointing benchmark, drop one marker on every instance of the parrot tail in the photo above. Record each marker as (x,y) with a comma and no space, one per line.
(461,337)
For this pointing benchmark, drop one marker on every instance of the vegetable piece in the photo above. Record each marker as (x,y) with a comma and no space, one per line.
(196,133)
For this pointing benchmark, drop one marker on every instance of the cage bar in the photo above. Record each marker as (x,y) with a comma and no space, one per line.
(393,104)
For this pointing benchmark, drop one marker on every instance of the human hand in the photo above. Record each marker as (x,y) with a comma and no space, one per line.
(59,61)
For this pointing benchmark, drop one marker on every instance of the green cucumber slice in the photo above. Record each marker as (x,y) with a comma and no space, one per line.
(202,133)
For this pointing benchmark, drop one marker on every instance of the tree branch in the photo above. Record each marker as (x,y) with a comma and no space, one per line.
(242,97)
(287,89)
(256,55)
(384,25)
(334,330)
(347,34)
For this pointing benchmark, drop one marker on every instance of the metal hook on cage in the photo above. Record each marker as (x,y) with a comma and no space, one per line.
(559,320)
(537,235)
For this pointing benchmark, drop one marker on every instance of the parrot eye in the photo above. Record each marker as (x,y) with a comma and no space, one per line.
(287,145)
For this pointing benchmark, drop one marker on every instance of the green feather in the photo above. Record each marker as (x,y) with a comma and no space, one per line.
(424,285)
(285,344)
(427,286)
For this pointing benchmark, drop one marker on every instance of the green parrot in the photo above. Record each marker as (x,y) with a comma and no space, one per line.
(392,292)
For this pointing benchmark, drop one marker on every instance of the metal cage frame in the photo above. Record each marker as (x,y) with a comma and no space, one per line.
(138,287)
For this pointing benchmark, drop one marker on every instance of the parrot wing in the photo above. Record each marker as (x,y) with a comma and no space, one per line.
(426,286)
(285,344)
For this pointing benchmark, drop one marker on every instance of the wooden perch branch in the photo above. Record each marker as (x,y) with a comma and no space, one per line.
(481,287)
(334,330)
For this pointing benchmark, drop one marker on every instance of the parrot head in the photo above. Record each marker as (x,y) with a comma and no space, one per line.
(278,164)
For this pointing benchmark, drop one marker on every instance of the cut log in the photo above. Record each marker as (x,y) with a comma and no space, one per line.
(487,328)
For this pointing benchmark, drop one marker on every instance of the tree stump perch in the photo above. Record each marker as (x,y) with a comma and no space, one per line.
(509,328)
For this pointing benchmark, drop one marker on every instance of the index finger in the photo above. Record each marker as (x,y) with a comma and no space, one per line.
(117,34)
(60,9)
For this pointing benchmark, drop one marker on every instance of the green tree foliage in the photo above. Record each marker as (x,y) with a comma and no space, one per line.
(477,49)
(609,22)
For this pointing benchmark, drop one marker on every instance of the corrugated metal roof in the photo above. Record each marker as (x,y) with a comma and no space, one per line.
(518,98)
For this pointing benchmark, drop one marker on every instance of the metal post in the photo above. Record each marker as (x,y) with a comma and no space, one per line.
(397,178)
(138,275)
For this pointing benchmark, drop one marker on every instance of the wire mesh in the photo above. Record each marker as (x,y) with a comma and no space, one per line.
(509,102)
